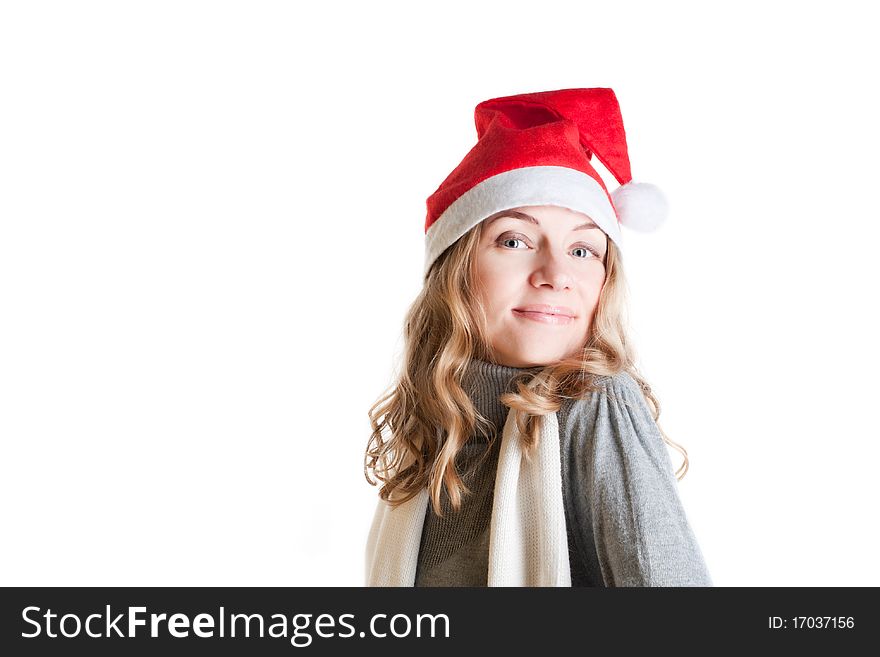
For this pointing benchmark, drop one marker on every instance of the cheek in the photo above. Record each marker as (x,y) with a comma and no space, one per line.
(494,287)
(590,290)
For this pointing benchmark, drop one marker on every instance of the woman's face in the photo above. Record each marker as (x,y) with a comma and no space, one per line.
(532,256)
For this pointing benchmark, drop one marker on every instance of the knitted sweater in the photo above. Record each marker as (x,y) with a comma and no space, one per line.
(625,523)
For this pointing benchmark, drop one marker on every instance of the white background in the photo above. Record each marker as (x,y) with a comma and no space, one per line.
(212,224)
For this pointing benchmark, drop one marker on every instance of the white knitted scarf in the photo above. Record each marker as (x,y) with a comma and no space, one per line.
(528,545)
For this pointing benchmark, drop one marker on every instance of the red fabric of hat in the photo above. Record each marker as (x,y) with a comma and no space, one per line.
(535,149)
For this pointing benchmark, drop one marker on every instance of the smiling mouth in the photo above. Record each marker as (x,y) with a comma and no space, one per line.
(544,318)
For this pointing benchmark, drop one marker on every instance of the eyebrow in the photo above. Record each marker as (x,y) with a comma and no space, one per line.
(516,214)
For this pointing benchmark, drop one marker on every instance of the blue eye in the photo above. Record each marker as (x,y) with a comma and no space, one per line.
(588,250)
(511,239)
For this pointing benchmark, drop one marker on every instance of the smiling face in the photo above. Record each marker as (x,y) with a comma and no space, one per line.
(536,258)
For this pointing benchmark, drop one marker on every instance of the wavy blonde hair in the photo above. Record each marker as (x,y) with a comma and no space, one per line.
(444,330)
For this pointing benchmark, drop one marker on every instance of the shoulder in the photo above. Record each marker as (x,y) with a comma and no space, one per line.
(616,409)
(622,381)
(619,386)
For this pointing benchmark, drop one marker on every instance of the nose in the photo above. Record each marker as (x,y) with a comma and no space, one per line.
(552,271)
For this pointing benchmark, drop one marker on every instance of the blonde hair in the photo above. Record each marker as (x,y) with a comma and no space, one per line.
(427,411)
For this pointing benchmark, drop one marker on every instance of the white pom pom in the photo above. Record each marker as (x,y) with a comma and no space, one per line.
(640,206)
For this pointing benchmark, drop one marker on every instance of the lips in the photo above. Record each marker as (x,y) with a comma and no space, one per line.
(562,311)
(545,314)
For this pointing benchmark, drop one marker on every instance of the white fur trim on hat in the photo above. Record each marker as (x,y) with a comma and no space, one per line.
(541,185)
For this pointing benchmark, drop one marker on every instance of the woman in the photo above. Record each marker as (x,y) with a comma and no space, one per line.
(522,448)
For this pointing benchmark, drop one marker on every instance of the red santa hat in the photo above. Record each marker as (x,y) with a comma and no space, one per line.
(535,149)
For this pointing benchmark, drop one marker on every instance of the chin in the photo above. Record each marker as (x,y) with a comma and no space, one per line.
(530,358)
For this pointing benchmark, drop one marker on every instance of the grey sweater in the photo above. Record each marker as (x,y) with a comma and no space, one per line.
(625,522)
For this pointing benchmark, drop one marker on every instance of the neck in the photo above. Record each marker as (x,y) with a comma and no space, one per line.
(485,382)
